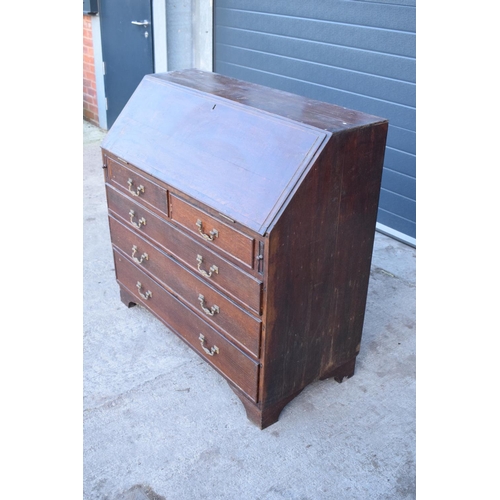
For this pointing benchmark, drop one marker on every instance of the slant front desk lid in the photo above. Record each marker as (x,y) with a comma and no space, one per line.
(223,153)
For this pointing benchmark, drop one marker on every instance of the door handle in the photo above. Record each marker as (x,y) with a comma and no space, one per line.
(141,23)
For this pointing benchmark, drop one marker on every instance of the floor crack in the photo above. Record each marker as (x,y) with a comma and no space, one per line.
(115,400)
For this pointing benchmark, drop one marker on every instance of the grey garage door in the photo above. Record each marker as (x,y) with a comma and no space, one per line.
(355,53)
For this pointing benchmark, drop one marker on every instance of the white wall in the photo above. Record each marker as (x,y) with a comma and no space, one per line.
(189,34)
(160,35)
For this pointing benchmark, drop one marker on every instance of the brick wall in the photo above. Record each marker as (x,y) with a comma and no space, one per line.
(90,111)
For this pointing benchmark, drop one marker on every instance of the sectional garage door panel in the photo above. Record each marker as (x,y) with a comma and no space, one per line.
(327,28)
(392,220)
(402,139)
(372,86)
(357,54)
(380,64)
(403,184)
(362,12)
(399,161)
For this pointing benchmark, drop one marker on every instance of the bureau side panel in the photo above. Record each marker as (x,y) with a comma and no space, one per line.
(319,264)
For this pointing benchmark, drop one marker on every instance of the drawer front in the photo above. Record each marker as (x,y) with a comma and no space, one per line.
(213,232)
(137,186)
(226,358)
(225,276)
(235,323)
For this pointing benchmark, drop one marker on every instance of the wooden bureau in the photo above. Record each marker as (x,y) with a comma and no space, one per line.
(243,217)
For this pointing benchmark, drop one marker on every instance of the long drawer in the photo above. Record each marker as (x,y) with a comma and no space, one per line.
(224,356)
(242,327)
(212,267)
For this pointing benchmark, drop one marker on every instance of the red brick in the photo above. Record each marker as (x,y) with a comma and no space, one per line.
(90,91)
(89,115)
(93,113)
(90,109)
(88,99)
(88,83)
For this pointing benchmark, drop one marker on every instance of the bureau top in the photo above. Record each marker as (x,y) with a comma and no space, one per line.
(301,109)
(240,148)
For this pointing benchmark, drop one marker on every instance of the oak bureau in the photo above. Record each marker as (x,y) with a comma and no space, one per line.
(243,217)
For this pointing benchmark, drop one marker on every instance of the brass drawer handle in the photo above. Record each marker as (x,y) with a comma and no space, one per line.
(211,235)
(213,269)
(138,191)
(213,310)
(142,220)
(144,256)
(146,295)
(213,350)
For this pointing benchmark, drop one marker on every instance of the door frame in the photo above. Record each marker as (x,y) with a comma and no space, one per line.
(158,13)
(203,39)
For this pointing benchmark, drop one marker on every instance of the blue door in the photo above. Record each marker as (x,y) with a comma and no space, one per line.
(127,50)
(357,54)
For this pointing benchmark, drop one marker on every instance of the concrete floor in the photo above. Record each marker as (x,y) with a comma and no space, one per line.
(160,424)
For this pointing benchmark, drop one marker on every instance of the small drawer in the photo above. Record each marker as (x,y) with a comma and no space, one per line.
(242,327)
(135,185)
(208,265)
(213,232)
(224,356)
